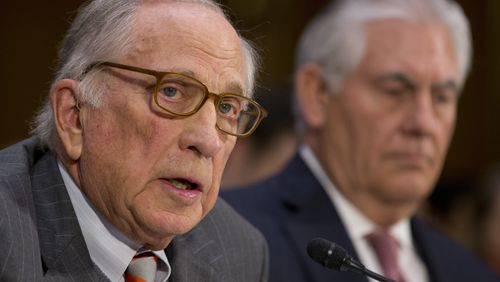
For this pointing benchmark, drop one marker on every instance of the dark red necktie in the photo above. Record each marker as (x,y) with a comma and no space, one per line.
(386,248)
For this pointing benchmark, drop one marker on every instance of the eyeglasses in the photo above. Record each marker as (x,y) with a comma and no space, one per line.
(181,95)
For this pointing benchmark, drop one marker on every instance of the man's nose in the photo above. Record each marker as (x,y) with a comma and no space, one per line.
(200,133)
(421,117)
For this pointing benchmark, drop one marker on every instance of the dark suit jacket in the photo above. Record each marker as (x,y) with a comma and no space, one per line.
(292,208)
(40,238)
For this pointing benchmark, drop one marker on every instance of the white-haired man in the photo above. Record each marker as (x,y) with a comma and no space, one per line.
(377,84)
(121,181)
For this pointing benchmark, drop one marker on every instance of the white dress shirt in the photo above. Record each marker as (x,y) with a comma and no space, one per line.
(109,249)
(358,226)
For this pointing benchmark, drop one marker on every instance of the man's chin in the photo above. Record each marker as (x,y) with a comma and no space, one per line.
(159,245)
(160,229)
(410,197)
(409,188)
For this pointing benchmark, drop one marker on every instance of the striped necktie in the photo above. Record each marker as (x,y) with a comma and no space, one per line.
(142,268)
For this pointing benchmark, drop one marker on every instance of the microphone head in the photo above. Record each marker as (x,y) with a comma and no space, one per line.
(327,254)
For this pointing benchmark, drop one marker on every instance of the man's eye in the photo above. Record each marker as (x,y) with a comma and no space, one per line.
(394,87)
(225,108)
(169,91)
(230,107)
(395,91)
(444,97)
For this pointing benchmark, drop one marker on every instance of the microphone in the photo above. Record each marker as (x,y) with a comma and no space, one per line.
(335,257)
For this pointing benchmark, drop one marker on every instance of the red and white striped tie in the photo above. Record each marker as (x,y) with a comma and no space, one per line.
(142,268)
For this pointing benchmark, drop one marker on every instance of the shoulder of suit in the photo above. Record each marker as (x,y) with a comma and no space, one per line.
(451,256)
(18,158)
(223,215)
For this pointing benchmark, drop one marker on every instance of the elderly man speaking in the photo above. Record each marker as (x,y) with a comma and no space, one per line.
(146,106)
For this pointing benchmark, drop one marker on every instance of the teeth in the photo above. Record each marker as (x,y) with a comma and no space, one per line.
(181,185)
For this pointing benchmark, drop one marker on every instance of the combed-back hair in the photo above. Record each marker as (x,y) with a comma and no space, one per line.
(335,39)
(102,31)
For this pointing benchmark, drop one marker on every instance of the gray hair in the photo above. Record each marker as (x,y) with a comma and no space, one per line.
(101,31)
(335,39)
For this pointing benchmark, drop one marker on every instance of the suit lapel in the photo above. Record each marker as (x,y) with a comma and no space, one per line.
(191,261)
(311,215)
(195,256)
(63,249)
(431,251)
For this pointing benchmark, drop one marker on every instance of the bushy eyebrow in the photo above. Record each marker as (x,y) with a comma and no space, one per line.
(232,87)
(236,88)
(450,84)
(399,77)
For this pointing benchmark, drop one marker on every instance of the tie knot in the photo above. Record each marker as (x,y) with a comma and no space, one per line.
(383,242)
(142,268)
(386,249)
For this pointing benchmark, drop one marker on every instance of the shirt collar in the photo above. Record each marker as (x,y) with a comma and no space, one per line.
(109,249)
(355,222)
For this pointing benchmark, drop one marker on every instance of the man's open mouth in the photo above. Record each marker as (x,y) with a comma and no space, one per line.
(183,184)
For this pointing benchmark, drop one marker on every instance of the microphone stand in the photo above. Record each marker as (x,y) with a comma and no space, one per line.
(356,266)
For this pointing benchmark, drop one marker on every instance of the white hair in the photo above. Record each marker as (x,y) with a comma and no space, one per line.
(335,39)
(101,31)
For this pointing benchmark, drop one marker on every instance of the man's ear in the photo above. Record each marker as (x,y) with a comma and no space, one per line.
(67,117)
(312,94)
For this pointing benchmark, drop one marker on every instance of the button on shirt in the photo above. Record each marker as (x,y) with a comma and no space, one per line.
(109,249)
(358,226)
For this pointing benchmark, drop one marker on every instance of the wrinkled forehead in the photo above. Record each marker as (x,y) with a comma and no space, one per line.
(172,12)
(418,47)
(188,37)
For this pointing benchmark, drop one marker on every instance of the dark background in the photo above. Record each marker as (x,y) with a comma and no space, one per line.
(31,31)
